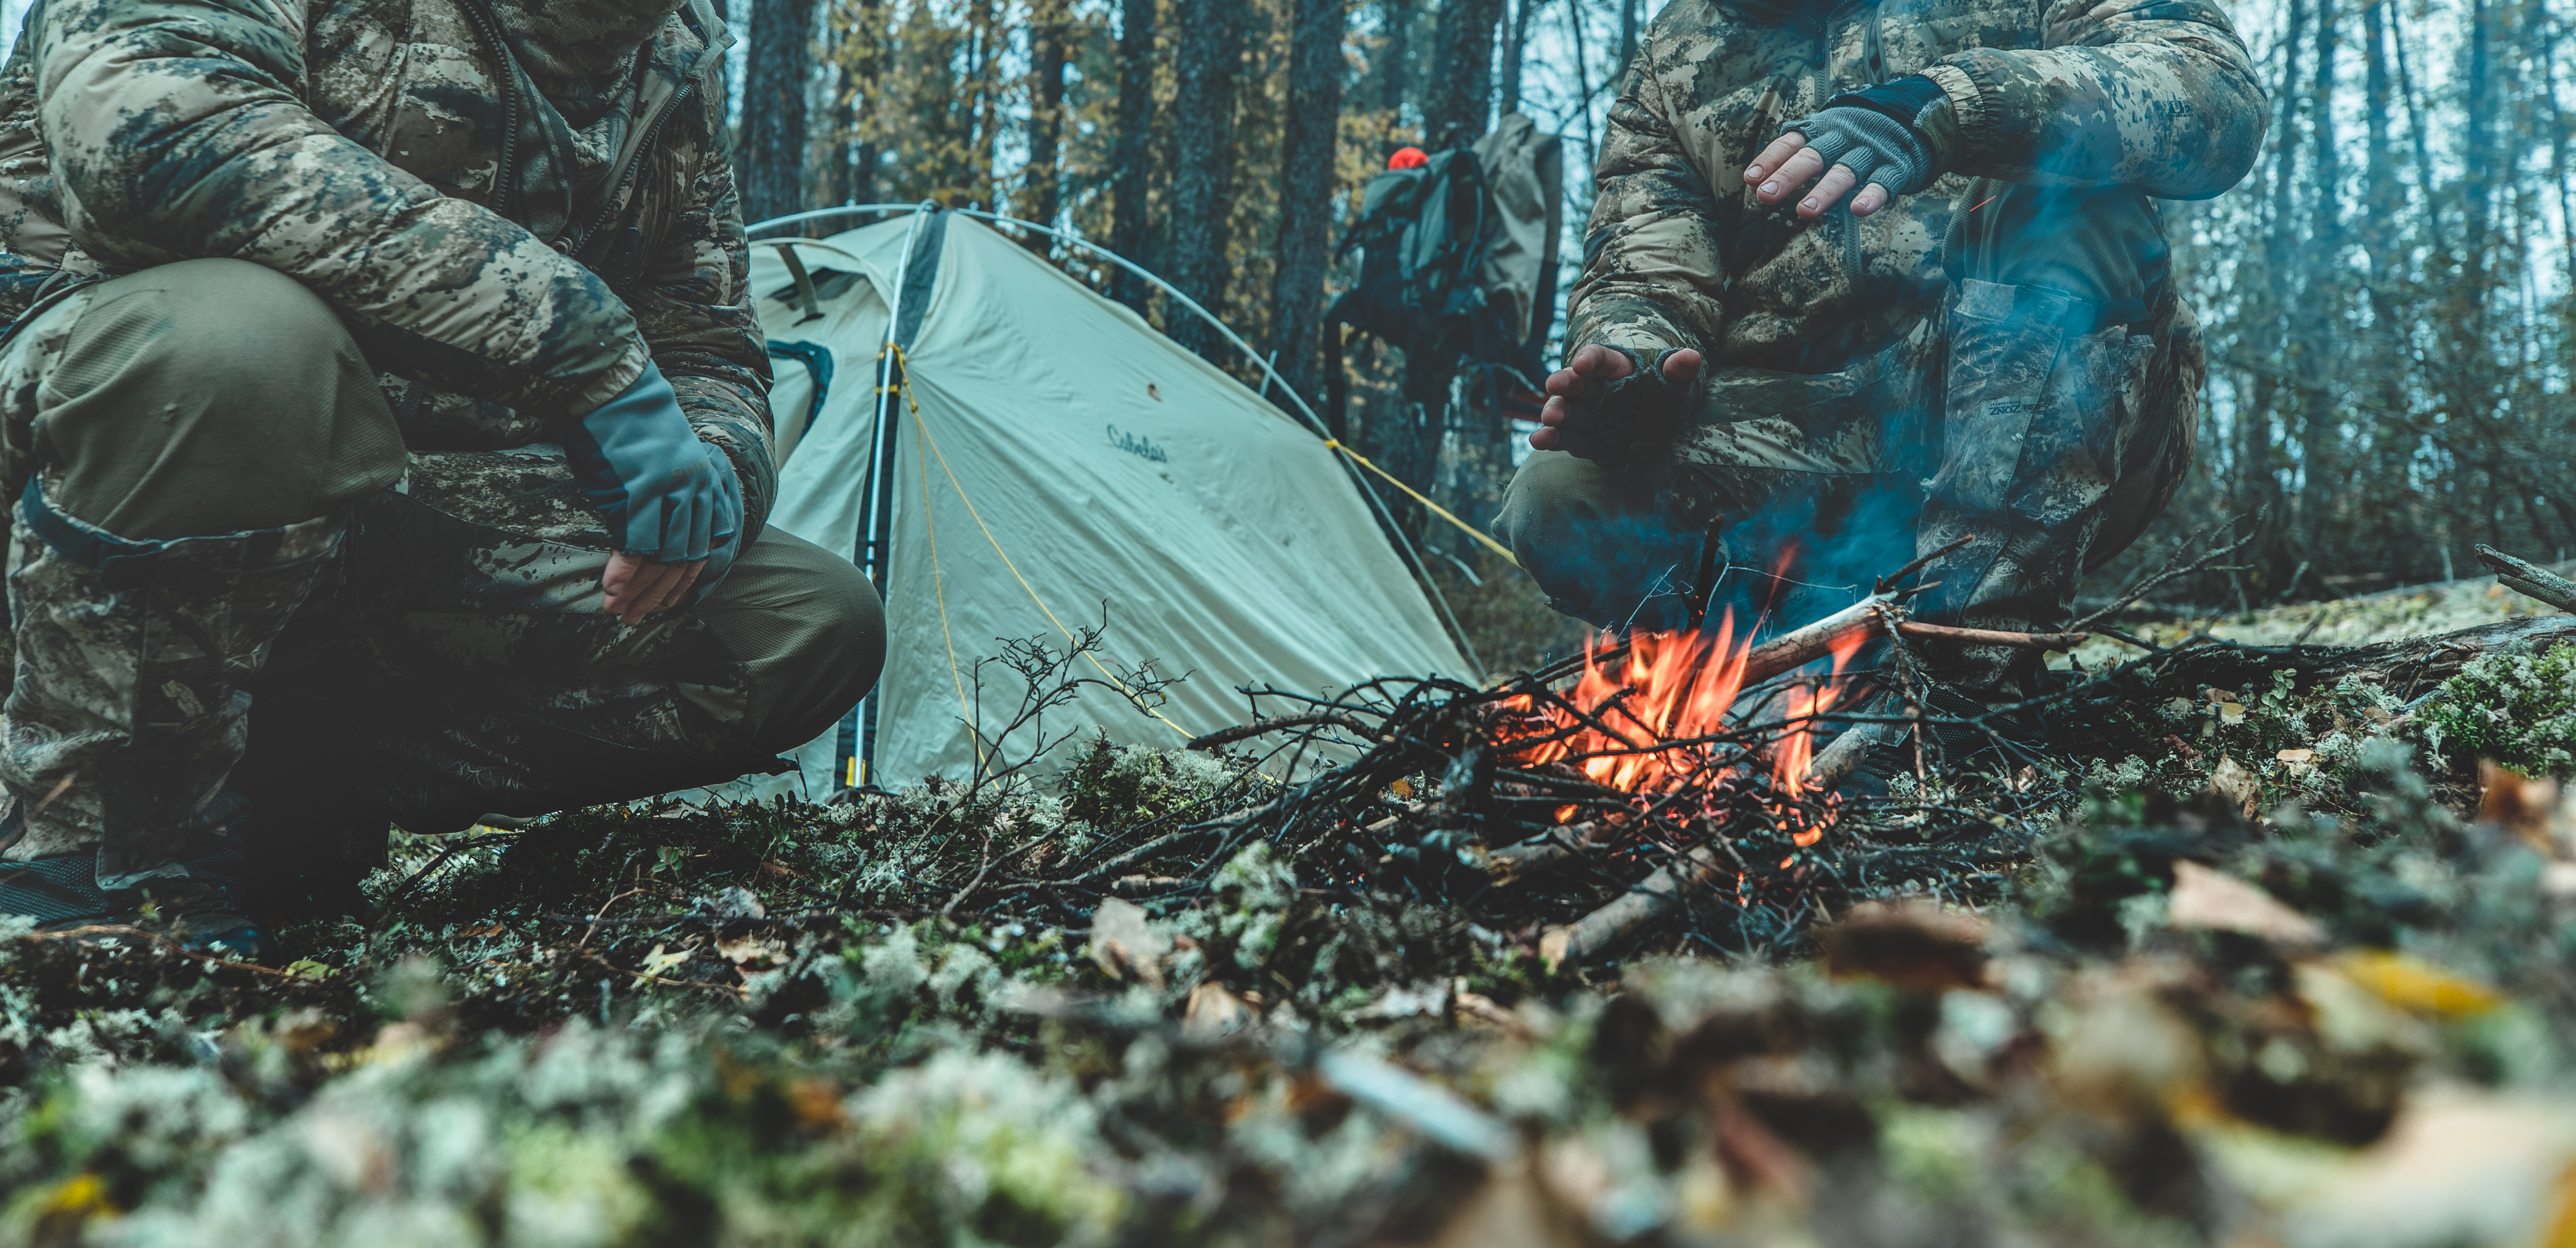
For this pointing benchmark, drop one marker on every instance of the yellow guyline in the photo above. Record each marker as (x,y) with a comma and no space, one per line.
(1435,508)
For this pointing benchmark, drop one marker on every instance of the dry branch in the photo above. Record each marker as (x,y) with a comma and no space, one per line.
(2530,579)
(1991,637)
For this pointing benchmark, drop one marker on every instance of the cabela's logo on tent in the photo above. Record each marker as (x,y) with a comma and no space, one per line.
(1138,445)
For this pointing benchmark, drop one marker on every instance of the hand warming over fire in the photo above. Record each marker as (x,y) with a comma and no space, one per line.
(1591,414)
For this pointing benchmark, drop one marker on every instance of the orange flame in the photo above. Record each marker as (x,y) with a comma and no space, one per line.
(1797,752)
(1651,718)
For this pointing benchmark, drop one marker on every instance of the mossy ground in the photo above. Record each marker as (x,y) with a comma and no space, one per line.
(2273,967)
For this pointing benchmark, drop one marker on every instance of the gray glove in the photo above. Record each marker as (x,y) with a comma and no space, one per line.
(1870,133)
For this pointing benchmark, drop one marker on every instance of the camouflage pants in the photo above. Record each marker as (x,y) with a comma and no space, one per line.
(2013,415)
(232,588)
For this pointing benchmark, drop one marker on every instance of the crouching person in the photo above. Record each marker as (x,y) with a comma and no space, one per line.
(371,464)
(1879,283)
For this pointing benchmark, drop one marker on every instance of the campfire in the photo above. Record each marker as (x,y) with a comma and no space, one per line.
(1653,720)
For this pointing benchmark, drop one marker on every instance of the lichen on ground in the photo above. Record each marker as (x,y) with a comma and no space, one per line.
(2283,955)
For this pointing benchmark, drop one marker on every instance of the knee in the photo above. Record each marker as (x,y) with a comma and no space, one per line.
(233,333)
(1553,509)
(809,630)
(213,395)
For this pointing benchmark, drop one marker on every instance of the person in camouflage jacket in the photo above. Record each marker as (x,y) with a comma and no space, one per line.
(387,424)
(1953,317)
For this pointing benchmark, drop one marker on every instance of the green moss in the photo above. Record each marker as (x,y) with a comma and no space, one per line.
(2517,709)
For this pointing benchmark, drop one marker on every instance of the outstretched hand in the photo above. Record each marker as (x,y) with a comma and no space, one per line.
(1597,363)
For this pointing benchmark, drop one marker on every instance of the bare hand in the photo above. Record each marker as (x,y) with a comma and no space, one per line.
(1788,164)
(637,589)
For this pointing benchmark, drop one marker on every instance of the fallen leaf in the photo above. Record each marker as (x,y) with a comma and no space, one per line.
(1478,1007)
(1213,1012)
(2416,986)
(307,968)
(657,961)
(2457,1167)
(2231,712)
(1399,1001)
(2231,780)
(2518,804)
(1912,944)
(1125,944)
(2296,756)
(751,949)
(2209,900)
(1401,788)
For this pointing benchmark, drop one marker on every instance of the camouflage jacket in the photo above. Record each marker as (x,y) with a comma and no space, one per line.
(2153,94)
(513,205)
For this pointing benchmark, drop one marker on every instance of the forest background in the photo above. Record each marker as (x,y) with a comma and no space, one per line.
(2386,300)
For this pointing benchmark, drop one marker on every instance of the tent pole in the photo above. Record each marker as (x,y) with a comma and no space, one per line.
(876,509)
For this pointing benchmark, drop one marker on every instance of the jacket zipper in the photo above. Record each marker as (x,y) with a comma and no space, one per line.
(505,175)
(634,161)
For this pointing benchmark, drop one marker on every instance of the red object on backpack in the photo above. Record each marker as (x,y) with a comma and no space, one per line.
(1408,158)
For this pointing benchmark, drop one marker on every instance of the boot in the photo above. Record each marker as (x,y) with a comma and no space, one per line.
(2033,434)
(128,709)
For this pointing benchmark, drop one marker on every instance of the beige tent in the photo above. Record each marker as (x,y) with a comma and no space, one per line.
(1052,453)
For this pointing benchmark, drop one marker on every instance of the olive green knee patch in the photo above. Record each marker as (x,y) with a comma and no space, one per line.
(207,397)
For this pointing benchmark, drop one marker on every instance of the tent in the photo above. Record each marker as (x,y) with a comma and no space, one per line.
(1052,457)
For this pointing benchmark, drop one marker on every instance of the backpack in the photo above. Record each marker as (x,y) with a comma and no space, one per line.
(1448,270)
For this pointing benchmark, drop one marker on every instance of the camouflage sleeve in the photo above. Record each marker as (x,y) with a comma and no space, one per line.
(2155,94)
(694,305)
(177,132)
(1652,277)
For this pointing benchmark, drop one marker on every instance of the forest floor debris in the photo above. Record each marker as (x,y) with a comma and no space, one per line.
(2281,962)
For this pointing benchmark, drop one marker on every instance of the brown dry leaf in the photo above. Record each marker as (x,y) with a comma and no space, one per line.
(1125,944)
(750,949)
(2518,804)
(1912,944)
(1213,1012)
(817,1102)
(2208,900)
(1512,1209)
(2231,780)
(1552,945)
(1477,1007)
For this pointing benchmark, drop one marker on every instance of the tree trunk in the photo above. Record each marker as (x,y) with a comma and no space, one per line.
(2322,297)
(1307,155)
(1209,62)
(1515,51)
(1627,36)
(777,64)
(1129,233)
(1397,16)
(1050,24)
(1457,109)
(859,78)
